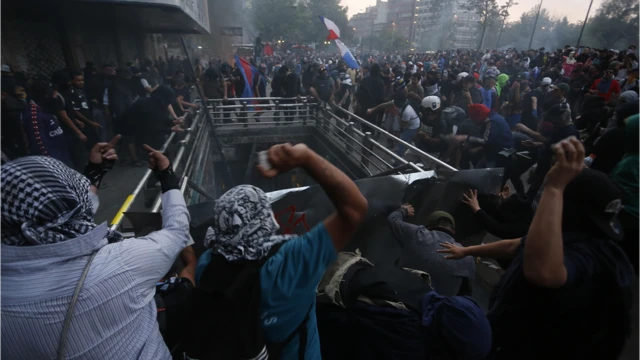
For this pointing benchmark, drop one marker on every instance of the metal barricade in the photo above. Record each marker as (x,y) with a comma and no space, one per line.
(195,157)
(302,110)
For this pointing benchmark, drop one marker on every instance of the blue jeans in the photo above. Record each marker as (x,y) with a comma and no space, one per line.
(406,135)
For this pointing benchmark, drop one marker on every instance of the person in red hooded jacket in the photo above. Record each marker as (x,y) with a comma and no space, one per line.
(496,137)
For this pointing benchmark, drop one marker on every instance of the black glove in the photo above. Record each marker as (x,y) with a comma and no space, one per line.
(168,180)
(95,172)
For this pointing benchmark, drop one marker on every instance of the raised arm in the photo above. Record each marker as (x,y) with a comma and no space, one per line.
(382,106)
(503,249)
(149,258)
(543,249)
(351,206)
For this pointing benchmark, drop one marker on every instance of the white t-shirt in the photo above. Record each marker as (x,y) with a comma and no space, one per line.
(409,116)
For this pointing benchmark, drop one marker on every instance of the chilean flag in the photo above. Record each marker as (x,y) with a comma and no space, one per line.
(334,32)
(346,55)
(248,73)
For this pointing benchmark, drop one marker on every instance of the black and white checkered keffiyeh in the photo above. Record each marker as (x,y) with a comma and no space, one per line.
(244,227)
(44,202)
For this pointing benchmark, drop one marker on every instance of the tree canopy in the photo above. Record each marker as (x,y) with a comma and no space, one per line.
(285,19)
(612,25)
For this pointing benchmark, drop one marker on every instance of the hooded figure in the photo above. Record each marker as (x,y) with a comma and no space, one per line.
(44,202)
(501,82)
(628,96)
(245,227)
(531,321)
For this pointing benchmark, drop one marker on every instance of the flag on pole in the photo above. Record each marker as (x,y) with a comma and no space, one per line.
(334,31)
(346,55)
(248,73)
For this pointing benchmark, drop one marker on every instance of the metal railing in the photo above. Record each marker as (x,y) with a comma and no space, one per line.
(303,110)
(196,125)
(194,158)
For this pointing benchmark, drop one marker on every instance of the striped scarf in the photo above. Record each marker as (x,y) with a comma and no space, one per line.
(44,202)
(244,227)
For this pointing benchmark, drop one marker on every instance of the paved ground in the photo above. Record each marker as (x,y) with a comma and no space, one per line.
(117,186)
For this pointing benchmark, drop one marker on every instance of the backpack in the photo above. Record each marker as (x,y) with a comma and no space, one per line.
(324,87)
(173,297)
(225,321)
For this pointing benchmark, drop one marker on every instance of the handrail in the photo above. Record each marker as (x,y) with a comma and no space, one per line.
(409,146)
(117,220)
(259,99)
(176,161)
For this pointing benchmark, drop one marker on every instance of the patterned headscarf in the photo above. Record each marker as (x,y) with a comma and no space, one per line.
(244,227)
(44,202)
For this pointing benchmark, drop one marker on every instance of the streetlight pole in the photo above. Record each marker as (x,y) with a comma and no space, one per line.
(535,24)
(504,22)
(373,19)
(583,24)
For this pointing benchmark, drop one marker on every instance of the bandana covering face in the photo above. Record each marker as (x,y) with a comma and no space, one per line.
(244,228)
(44,202)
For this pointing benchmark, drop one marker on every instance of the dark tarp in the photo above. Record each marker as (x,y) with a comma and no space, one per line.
(299,211)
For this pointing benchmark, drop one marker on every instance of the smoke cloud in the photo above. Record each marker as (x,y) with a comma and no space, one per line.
(228,13)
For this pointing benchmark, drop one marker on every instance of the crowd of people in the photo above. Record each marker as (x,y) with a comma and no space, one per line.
(64,115)
(568,244)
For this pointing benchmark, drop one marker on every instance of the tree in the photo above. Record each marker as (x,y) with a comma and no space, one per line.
(268,16)
(439,25)
(488,11)
(288,20)
(505,13)
(614,25)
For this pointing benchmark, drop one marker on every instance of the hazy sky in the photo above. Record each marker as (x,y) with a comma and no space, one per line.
(575,10)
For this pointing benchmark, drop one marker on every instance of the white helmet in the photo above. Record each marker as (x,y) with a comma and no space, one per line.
(431,102)
(461,76)
(410,63)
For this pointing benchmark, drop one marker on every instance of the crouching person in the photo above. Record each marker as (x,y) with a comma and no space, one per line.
(387,312)
(70,289)
(255,290)
(419,250)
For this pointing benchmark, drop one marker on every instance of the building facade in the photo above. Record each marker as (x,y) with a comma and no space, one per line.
(402,16)
(444,25)
(41,37)
(423,24)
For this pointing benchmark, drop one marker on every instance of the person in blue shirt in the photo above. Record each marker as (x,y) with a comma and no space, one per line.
(245,229)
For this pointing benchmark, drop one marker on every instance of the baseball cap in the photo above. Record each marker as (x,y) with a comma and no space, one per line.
(399,83)
(461,76)
(6,68)
(546,81)
(434,219)
(562,86)
(594,195)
